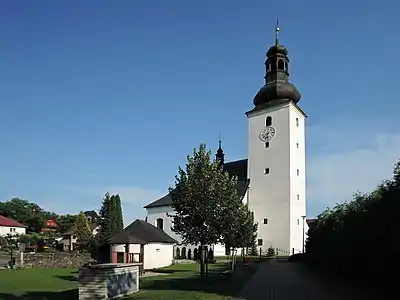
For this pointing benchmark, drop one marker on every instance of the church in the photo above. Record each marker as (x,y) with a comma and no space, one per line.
(272,180)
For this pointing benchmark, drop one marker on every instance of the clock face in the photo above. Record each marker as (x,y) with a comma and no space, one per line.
(267,133)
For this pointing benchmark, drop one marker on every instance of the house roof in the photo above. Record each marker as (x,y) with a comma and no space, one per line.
(7,222)
(234,168)
(309,221)
(141,232)
(72,230)
(91,213)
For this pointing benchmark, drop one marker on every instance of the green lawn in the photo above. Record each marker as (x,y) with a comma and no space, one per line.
(38,284)
(184,282)
(181,282)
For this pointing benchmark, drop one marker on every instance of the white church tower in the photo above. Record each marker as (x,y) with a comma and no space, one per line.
(276,157)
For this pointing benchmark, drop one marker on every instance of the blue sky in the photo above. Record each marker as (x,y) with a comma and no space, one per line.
(101,96)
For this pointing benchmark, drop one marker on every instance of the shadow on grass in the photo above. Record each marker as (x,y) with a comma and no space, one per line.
(37,295)
(216,282)
(67,277)
(167,271)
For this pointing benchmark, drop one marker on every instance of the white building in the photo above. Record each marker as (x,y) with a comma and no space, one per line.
(145,243)
(11,227)
(272,180)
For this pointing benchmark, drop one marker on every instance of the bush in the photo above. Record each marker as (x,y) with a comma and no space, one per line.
(270,252)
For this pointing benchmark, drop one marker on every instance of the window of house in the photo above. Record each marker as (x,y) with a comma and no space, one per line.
(298,222)
(268,121)
(11,229)
(298,172)
(160,223)
(259,242)
(298,197)
(297,122)
(266,171)
(297,145)
(266,144)
(265,221)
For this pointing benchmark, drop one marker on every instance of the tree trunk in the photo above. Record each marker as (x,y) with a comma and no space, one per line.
(202,260)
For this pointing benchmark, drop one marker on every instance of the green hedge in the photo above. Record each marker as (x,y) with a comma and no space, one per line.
(361,238)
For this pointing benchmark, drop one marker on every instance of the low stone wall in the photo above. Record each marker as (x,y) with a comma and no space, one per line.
(108,281)
(53,260)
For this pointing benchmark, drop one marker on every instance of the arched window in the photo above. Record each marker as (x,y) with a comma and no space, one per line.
(268,121)
(177,253)
(281,64)
(160,223)
(183,253)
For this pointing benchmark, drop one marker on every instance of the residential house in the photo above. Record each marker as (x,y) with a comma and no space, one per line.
(10,226)
(50,225)
(69,238)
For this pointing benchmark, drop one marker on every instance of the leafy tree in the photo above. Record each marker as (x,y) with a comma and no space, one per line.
(201,198)
(65,222)
(25,212)
(83,232)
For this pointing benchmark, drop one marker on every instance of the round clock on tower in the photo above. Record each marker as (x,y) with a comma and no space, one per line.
(277,196)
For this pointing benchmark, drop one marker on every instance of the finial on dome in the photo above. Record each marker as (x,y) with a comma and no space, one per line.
(277,32)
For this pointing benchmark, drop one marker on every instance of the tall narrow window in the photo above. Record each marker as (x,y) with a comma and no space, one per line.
(298,197)
(160,223)
(298,222)
(265,221)
(266,144)
(297,122)
(281,64)
(268,121)
(297,145)
(298,172)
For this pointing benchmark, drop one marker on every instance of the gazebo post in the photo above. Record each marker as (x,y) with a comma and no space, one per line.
(141,259)
(111,253)
(127,253)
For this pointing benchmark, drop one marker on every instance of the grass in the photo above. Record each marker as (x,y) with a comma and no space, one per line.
(182,282)
(38,284)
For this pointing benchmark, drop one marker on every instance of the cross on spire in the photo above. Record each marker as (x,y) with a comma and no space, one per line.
(277,32)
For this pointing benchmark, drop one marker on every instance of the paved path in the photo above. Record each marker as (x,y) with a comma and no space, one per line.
(281,280)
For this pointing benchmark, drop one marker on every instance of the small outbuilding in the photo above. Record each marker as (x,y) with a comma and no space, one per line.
(144,243)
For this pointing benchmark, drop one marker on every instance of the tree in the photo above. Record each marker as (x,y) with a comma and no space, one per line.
(241,230)
(201,197)
(345,238)
(83,232)
(65,222)
(25,212)
(116,201)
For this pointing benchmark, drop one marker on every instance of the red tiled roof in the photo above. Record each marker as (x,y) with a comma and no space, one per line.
(309,221)
(10,222)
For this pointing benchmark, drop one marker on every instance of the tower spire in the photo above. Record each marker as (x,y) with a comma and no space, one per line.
(277,32)
(277,86)
(220,156)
